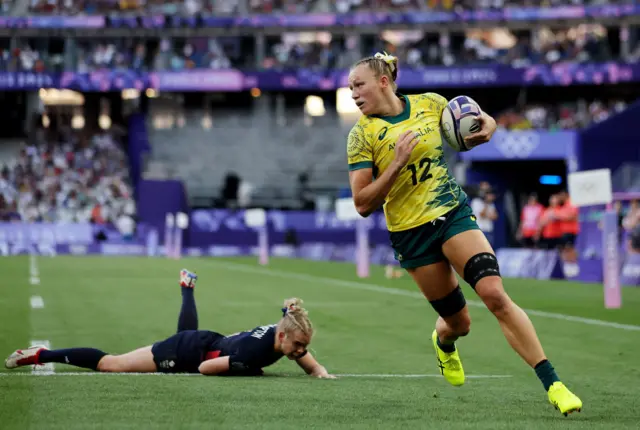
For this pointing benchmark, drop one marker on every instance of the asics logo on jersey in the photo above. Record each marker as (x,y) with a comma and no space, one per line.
(383,133)
(420,114)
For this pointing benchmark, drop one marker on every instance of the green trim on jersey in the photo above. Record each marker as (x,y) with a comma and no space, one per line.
(398,118)
(361,165)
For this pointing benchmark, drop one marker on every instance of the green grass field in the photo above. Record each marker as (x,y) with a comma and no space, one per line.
(365,329)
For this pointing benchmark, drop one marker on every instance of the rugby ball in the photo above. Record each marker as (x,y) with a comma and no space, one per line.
(459,120)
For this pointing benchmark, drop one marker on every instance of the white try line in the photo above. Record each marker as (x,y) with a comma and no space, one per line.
(431,375)
(398,292)
(34,274)
(36,302)
(45,369)
(346,375)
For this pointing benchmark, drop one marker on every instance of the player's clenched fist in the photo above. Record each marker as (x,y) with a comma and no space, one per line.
(404,146)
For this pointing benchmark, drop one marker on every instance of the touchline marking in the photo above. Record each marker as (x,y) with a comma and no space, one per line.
(431,375)
(346,375)
(34,276)
(398,292)
(44,369)
(37,302)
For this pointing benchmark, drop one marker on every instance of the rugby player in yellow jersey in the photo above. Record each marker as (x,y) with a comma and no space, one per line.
(432,229)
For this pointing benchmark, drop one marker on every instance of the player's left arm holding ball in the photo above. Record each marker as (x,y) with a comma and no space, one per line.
(488,126)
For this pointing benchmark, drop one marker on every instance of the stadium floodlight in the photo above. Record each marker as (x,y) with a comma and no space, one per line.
(55,97)
(130,94)
(104,121)
(314,106)
(207,122)
(257,220)
(77,122)
(344,103)
(346,211)
(590,188)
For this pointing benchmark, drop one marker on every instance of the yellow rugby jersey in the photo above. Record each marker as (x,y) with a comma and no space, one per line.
(424,189)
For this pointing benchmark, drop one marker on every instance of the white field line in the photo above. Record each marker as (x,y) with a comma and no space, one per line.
(36,302)
(398,292)
(347,375)
(45,369)
(34,274)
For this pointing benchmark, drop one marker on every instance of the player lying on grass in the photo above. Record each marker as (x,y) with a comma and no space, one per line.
(433,231)
(198,351)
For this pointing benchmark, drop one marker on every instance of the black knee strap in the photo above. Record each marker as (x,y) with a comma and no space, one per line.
(480,266)
(450,304)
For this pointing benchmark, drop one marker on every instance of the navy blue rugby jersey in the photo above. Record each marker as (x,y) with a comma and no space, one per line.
(248,351)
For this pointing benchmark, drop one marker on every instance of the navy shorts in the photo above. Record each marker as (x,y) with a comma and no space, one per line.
(551,242)
(183,352)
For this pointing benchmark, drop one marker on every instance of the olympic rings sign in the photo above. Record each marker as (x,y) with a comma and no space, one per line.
(516,144)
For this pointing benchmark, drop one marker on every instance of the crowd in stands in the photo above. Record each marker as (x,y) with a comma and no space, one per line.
(168,55)
(192,54)
(579,44)
(557,225)
(484,208)
(554,226)
(169,7)
(313,53)
(415,49)
(140,7)
(69,177)
(27,59)
(629,222)
(566,116)
(359,5)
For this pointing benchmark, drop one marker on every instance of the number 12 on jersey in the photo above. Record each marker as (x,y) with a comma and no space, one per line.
(424,165)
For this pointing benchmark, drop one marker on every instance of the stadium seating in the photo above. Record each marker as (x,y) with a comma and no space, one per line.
(265,154)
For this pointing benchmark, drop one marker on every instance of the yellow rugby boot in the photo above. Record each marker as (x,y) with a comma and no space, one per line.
(449,363)
(563,399)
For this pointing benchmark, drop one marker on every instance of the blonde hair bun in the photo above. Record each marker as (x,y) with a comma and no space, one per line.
(293,303)
(391,61)
(295,317)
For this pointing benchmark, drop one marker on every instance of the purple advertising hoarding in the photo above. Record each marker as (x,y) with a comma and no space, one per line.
(320,237)
(525,145)
(52,22)
(315,20)
(303,79)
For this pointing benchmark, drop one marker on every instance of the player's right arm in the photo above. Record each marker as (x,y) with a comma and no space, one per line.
(312,367)
(369,195)
(214,366)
